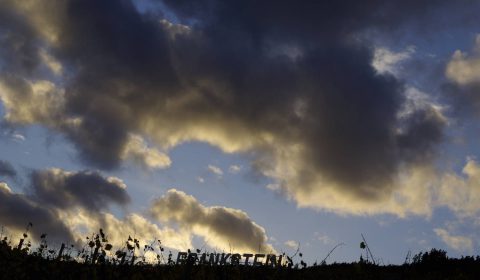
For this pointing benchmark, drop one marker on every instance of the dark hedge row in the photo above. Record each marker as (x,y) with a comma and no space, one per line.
(16,263)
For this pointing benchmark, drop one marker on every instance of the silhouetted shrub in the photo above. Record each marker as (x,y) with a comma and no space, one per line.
(435,256)
(97,259)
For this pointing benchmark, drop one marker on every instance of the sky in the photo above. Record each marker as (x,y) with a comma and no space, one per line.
(240,126)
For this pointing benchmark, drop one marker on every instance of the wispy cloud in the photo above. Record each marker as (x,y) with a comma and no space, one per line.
(457,242)
(17,137)
(323,238)
(215,170)
(234,169)
(292,244)
(388,61)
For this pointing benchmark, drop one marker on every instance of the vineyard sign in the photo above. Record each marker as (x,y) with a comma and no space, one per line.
(223,259)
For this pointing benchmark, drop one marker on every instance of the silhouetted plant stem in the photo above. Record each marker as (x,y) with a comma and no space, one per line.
(324,261)
(20,244)
(368,250)
(95,255)
(61,251)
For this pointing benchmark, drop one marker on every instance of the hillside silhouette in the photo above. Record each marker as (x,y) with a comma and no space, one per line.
(97,259)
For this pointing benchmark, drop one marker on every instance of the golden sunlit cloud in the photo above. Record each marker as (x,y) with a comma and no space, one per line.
(464,68)
(223,228)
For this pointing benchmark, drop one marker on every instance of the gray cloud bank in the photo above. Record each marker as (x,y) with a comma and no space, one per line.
(71,205)
(291,84)
(16,211)
(7,170)
(86,189)
(57,193)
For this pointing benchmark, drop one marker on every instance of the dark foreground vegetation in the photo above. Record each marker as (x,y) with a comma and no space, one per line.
(96,260)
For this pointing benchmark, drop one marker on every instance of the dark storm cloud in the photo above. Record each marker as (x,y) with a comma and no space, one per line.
(353,121)
(283,80)
(465,99)
(54,200)
(89,190)
(7,170)
(16,211)
(123,65)
(425,130)
(315,22)
(350,120)
(17,42)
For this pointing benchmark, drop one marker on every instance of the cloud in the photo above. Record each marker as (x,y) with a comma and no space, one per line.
(71,205)
(28,102)
(119,229)
(234,169)
(68,206)
(7,170)
(417,191)
(18,137)
(17,42)
(17,210)
(5,188)
(221,227)
(325,239)
(55,198)
(51,62)
(411,195)
(291,244)
(137,149)
(464,69)
(87,189)
(298,94)
(387,61)
(463,86)
(461,192)
(32,101)
(456,242)
(73,224)
(426,124)
(215,170)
